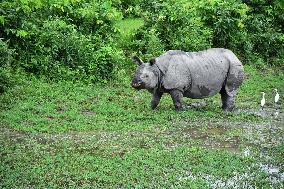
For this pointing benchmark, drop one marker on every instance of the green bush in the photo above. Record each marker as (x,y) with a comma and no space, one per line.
(227,19)
(148,44)
(78,39)
(171,25)
(249,28)
(60,47)
(6,59)
(63,39)
(252,29)
(179,26)
(265,29)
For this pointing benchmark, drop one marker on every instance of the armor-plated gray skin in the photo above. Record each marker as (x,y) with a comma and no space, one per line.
(191,74)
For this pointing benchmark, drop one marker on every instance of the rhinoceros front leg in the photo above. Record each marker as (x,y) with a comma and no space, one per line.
(156,99)
(177,99)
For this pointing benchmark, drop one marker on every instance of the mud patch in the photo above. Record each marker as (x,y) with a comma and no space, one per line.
(216,130)
(213,138)
(88,113)
(196,105)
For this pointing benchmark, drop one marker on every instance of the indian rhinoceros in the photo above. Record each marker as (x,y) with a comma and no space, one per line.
(191,74)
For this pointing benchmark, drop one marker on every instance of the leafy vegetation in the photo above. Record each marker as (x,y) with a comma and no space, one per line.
(60,130)
(62,39)
(8,76)
(251,29)
(80,39)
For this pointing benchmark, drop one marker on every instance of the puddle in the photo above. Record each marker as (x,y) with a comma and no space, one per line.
(236,181)
(264,134)
(196,105)
(268,112)
(274,173)
(270,169)
(194,133)
(13,135)
(230,146)
(204,132)
(233,135)
(243,180)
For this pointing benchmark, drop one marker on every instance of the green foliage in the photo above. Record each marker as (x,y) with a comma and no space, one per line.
(265,29)
(148,44)
(60,47)
(87,39)
(63,39)
(6,54)
(227,19)
(6,59)
(251,29)
(175,25)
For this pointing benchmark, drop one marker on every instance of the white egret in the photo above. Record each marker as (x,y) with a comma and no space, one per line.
(276,114)
(276,98)
(262,102)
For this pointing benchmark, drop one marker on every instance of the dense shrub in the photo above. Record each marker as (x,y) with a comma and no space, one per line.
(179,26)
(60,48)
(75,39)
(148,44)
(265,29)
(63,39)
(227,19)
(6,60)
(252,29)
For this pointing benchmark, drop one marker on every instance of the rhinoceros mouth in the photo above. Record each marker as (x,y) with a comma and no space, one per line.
(137,85)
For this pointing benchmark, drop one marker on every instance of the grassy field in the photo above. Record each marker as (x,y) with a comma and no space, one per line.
(76,135)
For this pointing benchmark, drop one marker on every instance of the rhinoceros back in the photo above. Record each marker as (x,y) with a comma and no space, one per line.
(197,74)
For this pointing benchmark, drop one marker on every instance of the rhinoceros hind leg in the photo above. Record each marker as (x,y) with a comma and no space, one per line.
(228,102)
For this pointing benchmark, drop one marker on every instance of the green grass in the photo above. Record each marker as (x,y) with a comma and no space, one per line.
(63,134)
(128,26)
(64,106)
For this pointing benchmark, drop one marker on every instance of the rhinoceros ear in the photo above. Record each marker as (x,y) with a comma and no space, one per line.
(137,60)
(152,61)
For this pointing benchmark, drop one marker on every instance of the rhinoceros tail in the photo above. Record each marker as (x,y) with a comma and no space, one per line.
(235,75)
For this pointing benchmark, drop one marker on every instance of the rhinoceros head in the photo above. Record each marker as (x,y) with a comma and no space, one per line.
(146,76)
